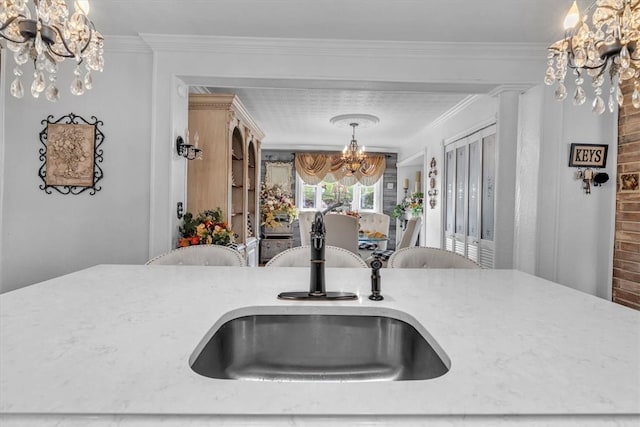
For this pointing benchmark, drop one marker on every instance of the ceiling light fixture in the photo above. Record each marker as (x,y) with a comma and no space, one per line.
(604,39)
(48,39)
(353,157)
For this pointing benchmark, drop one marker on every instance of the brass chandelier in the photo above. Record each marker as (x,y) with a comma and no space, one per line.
(353,157)
(45,34)
(604,39)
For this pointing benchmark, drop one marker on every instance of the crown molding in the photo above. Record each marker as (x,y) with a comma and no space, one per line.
(324,147)
(520,88)
(350,48)
(453,111)
(126,44)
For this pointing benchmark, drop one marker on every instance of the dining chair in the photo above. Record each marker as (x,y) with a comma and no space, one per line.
(342,231)
(425,257)
(300,256)
(200,255)
(408,239)
(375,222)
(305,219)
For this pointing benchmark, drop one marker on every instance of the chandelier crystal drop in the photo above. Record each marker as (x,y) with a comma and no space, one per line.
(44,32)
(353,157)
(604,41)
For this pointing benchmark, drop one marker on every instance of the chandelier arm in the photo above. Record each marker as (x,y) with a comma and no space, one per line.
(9,22)
(69,53)
(586,67)
(14,41)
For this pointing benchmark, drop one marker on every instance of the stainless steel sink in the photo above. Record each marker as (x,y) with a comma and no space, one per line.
(317,347)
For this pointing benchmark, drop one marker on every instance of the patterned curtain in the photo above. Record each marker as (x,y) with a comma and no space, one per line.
(316,167)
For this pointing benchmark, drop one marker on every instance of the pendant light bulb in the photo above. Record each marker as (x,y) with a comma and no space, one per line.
(82,6)
(572,18)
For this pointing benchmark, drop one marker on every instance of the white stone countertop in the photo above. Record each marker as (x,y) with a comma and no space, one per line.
(110,346)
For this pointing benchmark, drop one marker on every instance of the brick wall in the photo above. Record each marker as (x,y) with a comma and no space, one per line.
(626,257)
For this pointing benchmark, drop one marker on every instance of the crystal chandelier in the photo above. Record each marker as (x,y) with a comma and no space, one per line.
(604,39)
(45,34)
(353,157)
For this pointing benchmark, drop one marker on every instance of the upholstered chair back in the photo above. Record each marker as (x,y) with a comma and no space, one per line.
(305,219)
(424,257)
(411,233)
(300,256)
(200,255)
(342,231)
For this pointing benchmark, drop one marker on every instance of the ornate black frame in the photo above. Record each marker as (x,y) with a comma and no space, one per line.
(72,119)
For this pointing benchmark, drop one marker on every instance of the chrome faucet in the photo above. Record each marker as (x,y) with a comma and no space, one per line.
(316,283)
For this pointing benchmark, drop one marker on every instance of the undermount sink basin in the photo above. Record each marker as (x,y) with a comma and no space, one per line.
(317,347)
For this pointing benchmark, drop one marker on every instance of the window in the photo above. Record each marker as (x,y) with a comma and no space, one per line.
(356,197)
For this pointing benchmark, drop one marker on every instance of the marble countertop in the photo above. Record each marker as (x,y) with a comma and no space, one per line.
(110,345)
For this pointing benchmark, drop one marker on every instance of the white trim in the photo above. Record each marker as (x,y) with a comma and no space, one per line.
(3,90)
(126,44)
(520,88)
(409,161)
(323,147)
(153,166)
(471,130)
(377,200)
(350,48)
(613,206)
(453,111)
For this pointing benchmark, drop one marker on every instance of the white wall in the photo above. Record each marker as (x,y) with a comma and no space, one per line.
(560,233)
(46,235)
(527,179)
(133,216)
(575,239)
(476,112)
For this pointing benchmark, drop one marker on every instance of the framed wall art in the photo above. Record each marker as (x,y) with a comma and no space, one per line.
(279,173)
(71,155)
(629,182)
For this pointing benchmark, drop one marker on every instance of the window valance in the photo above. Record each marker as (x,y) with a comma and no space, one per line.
(316,167)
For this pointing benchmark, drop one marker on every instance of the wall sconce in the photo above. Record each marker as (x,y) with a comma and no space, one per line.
(405,187)
(186,150)
(433,191)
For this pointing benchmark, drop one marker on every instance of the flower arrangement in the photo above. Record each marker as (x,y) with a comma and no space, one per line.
(275,202)
(411,204)
(207,228)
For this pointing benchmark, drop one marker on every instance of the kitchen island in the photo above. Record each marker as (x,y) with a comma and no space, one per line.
(110,345)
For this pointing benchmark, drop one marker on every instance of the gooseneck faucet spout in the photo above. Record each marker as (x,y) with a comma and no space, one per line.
(318,232)
(316,281)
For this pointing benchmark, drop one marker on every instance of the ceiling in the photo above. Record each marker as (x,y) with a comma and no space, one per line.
(300,115)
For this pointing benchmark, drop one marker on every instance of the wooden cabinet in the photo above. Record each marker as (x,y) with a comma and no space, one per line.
(228,174)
